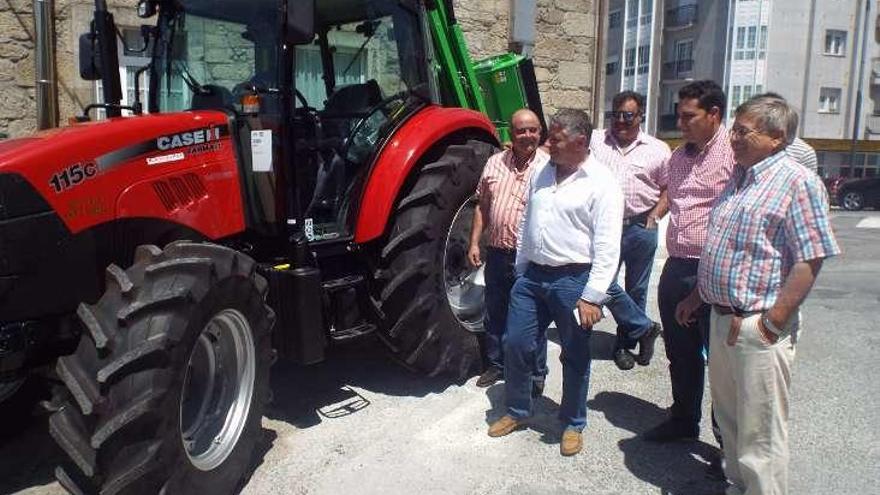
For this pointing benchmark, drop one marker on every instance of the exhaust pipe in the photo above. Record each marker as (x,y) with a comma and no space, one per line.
(46,85)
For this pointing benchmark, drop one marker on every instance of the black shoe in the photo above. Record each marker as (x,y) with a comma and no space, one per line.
(537,388)
(646,345)
(490,376)
(670,431)
(624,359)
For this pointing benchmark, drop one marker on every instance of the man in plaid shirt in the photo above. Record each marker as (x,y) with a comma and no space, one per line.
(768,235)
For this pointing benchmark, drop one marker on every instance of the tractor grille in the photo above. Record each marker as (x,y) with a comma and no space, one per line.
(177,192)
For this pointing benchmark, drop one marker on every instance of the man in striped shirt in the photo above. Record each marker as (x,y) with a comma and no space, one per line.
(769,234)
(698,172)
(501,194)
(639,162)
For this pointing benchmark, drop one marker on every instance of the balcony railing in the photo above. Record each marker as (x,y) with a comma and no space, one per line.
(681,17)
(677,69)
(667,123)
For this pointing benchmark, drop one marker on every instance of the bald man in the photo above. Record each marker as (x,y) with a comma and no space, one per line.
(502,197)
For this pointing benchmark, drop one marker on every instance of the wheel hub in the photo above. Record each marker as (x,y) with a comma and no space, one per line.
(465,285)
(218,389)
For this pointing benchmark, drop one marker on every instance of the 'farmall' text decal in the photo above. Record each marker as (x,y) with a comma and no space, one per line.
(194,138)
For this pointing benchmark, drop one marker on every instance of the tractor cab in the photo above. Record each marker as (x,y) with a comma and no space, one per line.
(328,101)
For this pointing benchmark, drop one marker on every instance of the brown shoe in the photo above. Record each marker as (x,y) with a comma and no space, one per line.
(572,442)
(503,426)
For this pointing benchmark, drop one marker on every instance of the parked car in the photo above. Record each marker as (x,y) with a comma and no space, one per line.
(831,186)
(857,194)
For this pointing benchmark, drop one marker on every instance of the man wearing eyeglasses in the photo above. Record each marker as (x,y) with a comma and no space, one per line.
(639,162)
(769,234)
(698,172)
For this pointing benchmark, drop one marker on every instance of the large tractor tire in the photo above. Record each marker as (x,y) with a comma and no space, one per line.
(170,379)
(431,300)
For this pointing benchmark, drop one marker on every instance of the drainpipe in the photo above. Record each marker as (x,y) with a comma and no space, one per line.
(523,16)
(46,85)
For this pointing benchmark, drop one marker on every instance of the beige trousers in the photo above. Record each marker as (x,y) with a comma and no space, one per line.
(750,383)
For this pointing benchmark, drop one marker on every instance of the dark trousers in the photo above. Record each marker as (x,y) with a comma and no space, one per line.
(685,346)
(542,295)
(500,275)
(637,247)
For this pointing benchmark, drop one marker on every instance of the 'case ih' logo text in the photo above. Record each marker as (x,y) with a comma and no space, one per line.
(188,138)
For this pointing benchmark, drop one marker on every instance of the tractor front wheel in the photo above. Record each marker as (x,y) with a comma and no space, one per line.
(431,299)
(168,384)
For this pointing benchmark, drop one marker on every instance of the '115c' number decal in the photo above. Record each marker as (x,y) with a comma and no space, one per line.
(73,176)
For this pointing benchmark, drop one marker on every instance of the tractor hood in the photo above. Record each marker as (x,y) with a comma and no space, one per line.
(96,172)
(96,141)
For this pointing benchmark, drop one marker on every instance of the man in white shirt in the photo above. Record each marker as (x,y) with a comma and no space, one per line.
(567,254)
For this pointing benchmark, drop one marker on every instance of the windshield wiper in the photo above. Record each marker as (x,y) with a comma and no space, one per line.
(190,81)
(357,55)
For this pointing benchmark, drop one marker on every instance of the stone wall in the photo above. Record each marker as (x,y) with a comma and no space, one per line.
(17,82)
(564,52)
(564,47)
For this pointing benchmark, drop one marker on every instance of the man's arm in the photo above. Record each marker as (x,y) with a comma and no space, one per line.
(476,233)
(607,217)
(659,211)
(795,289)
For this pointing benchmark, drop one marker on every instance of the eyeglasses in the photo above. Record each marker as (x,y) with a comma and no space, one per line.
(741,132)
(628,117)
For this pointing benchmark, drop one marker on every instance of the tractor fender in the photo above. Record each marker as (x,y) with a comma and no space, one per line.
(403,152)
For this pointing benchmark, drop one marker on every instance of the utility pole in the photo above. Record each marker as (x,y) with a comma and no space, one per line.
(859,83)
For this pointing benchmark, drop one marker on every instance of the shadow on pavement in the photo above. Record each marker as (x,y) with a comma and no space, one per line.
(676,468)
(305,395)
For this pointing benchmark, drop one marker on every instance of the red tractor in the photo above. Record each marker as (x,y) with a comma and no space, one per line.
(303,175)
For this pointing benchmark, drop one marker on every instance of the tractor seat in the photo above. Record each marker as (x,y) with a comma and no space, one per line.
(353,100)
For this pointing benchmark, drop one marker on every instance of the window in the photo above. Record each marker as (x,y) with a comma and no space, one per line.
(835,43)
(762,47)
(829,100)
(614,19)
(611,65)
(629,66)
(632,13)
(740,38)
(644,56)
(753,37)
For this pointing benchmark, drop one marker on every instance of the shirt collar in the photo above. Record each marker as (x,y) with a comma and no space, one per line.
(764,165)
(612,141)
(716,138)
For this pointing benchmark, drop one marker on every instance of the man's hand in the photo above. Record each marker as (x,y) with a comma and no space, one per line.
(767,336)
(474,256)
(684,311)
(651,222)
(589,313)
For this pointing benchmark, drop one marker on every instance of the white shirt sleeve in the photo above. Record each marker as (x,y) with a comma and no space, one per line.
(607,217)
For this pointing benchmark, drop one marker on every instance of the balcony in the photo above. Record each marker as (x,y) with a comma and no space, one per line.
(667,123)
(681,17)
(677,69)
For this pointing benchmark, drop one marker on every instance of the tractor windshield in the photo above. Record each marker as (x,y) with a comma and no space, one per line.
(207,54)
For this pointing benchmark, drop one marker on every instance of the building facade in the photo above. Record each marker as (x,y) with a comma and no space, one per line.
(564,53)
(818,54)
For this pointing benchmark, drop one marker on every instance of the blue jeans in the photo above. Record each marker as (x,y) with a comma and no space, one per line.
(637,247)
(500,275)
(542,295)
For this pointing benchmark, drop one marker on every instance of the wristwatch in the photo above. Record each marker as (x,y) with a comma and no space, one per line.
(770,326)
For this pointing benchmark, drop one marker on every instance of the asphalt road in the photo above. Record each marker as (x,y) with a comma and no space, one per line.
(359,424)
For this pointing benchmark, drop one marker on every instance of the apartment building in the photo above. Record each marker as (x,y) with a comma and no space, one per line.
(816,53)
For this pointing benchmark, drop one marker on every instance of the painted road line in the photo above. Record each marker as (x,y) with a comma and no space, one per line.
(869,223)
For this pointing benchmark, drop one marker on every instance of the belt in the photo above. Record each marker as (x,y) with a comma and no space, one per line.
(727,310)
(640,219)
(570,267)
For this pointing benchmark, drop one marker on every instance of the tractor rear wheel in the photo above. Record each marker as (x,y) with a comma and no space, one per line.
(170,378)
(431,299)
